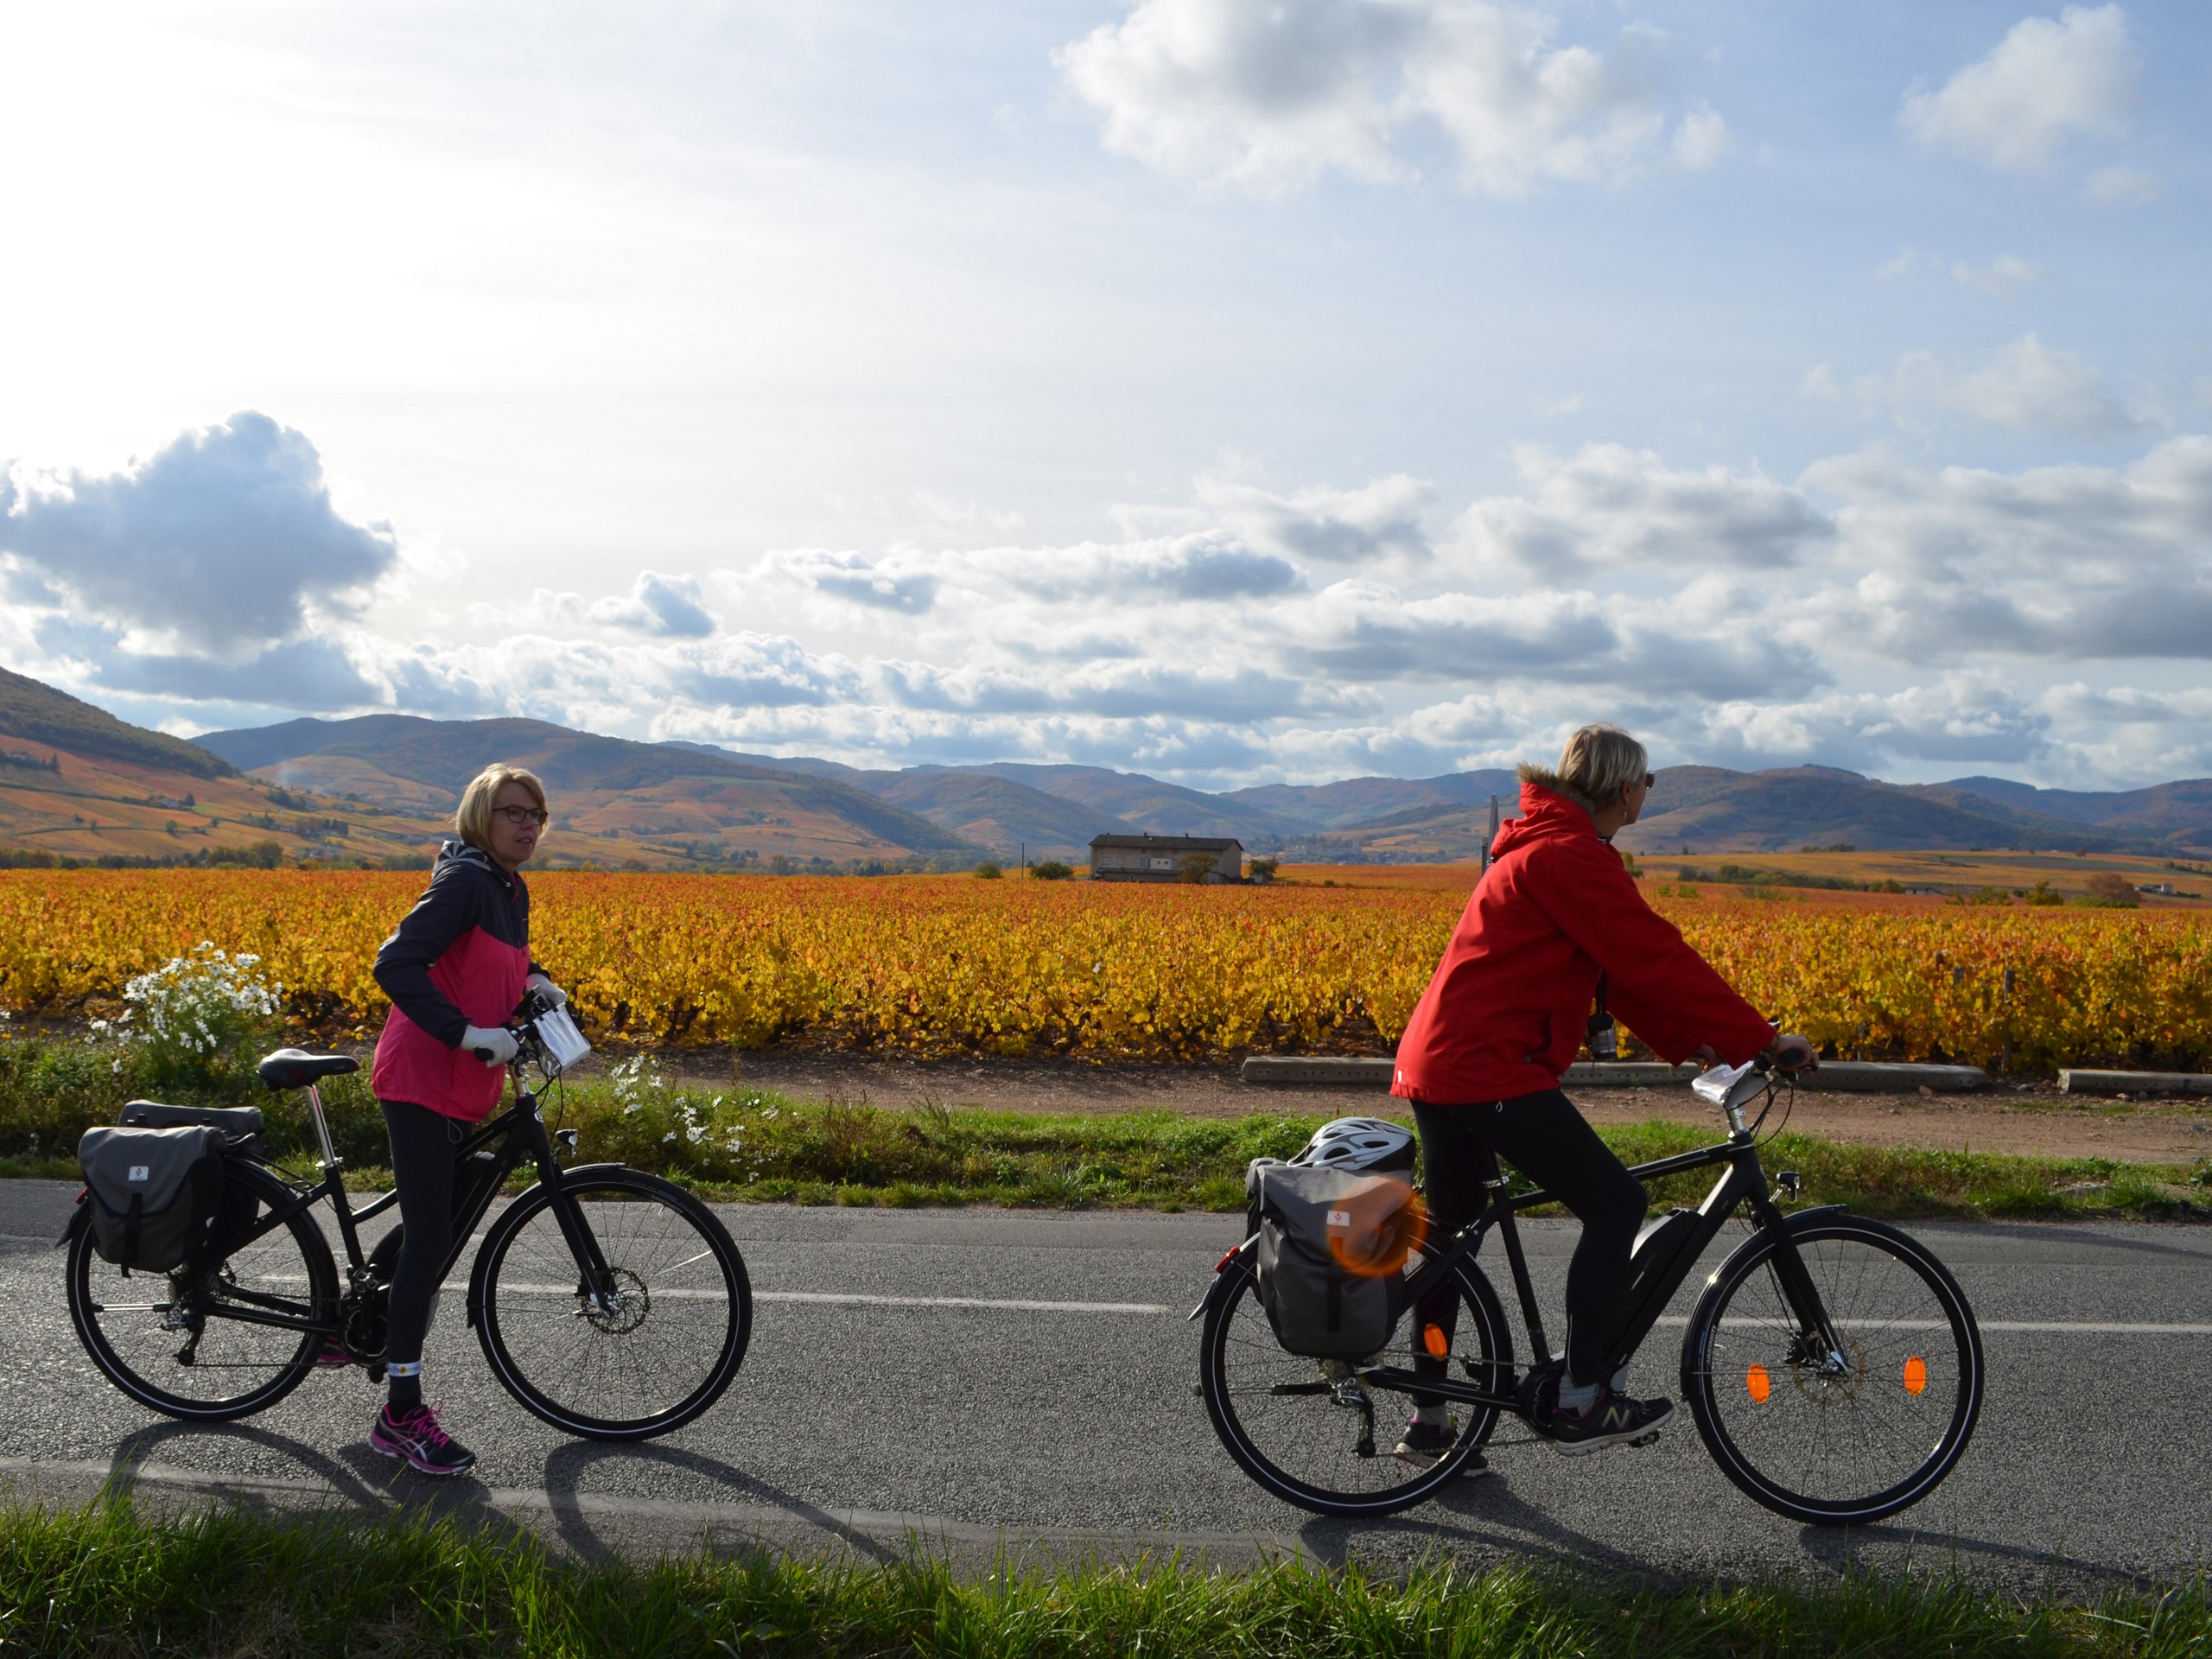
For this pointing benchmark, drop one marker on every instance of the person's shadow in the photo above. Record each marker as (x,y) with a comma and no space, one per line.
(568,1466)
(356,1484)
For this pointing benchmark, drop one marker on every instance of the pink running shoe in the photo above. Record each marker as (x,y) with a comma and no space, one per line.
(413,1436)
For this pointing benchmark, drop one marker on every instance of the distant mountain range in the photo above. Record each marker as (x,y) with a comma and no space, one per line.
(77,782)
(1007,808)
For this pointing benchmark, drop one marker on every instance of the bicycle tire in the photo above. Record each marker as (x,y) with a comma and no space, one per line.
(1242,1364)
(564,1360)
(131,1339)
(1874,1436)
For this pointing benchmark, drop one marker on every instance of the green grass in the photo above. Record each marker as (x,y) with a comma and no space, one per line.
(104,1580)
(747,1144)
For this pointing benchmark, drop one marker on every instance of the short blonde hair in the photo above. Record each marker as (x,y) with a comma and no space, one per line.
(1597,764)
(472,819)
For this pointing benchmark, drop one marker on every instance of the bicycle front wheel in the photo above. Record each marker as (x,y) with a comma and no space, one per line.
(1315,1439)
(219,1341)
(646,1358)
(1835,1439)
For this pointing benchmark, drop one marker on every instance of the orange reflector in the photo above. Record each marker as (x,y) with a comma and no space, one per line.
(1916,1374)
(1433,1339)
(1755,1381)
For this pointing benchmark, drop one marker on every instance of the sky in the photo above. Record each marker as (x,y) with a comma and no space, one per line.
(1234,390)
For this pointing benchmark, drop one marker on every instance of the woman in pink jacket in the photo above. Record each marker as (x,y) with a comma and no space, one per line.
(456,972)
(1556,917)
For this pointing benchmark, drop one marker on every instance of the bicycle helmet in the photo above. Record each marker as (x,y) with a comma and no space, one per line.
(1359,1143)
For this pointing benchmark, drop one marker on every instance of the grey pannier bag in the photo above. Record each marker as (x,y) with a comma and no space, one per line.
(1332,1247)
(154,1193)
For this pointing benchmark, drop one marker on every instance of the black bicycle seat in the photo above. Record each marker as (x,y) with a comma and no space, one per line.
(295,1068)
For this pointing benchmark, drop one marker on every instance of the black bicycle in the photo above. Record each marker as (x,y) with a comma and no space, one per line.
(610,1303)
(1833,1366)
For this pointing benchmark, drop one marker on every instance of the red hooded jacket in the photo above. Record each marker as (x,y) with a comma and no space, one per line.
(1506,1012)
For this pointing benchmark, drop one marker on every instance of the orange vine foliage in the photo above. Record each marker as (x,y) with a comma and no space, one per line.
(936,964)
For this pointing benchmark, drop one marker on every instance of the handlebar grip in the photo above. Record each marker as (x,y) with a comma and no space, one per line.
(483,1054)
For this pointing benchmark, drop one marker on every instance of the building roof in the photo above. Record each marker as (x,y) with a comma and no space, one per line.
(1168,844)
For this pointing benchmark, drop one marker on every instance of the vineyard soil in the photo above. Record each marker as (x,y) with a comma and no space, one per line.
(2035,1122)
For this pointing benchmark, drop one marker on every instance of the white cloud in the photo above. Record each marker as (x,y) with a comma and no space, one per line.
(224,542)
(2025,386)
(1608,505)
(658,604)
(2046,82)
(2121,187)
(1702,139)
(2001,278)
(2048,564)
(1270,94)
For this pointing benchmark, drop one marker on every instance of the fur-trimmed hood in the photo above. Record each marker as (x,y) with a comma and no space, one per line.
(1544,778)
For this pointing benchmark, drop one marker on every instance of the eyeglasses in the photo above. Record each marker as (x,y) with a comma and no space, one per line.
(518,816)
(1650,779)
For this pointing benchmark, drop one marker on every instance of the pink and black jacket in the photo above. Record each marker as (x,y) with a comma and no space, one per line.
(459,958)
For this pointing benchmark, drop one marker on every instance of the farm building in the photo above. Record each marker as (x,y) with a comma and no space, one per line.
(1161,858)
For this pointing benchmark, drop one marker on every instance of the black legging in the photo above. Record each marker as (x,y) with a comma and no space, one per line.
(1550,1143)
(423,1146)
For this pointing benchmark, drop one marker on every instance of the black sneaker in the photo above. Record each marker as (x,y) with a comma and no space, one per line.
(1423,1446)
(413,1436)
(1614,1417)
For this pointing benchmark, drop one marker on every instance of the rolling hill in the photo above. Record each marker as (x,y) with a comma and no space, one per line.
(657,805)
(77,783)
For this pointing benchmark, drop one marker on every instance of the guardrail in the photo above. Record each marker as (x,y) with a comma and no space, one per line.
(1865,1076)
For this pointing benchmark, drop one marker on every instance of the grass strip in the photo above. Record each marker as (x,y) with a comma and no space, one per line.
(743,1144)
(105,1581)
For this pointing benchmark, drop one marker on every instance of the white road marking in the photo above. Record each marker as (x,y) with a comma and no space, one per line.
(2015,1327)
(959,1301)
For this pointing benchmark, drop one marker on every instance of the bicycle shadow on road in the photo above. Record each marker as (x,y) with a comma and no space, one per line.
(568,1466)
(355,1484)
(1488,1523)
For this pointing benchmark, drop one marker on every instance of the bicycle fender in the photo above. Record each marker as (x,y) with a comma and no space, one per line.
(1224,1282)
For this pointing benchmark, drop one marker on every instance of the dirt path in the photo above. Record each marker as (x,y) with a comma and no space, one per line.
(2034,1120)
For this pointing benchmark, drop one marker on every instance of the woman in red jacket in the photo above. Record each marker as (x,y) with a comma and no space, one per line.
(455,970)
(1555,916)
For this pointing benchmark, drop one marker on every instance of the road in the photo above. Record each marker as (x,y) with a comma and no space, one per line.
(907,1381)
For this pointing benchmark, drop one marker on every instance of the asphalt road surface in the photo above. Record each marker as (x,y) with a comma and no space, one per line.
(983,1381)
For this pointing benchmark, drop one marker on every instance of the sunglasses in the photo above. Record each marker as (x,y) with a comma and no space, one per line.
(518,816)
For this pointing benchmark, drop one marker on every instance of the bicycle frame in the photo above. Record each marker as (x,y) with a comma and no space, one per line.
(1743,1182)
(522,1137)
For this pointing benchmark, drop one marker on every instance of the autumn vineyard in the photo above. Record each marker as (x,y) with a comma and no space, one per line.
(938,964)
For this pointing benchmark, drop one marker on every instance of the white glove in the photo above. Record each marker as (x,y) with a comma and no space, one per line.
(547,990)
(500,1042)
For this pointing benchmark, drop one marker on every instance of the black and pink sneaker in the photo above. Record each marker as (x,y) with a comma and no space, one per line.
(414,1437)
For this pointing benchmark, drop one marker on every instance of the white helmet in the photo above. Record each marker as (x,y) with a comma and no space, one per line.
(1359,1143)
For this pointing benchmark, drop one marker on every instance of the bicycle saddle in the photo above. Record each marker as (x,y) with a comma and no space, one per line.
(295,1068)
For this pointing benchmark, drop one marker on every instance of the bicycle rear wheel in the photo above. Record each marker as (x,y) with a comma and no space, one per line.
(1822,1442)
(1310,1440)
(647,1359)
(188,1343)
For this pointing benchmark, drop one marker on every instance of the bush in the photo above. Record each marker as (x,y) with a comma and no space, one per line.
(988,871)
(2106,891)
(1051,870)
(1262,870)
(197,1022)
(2043,893)
(1195,867)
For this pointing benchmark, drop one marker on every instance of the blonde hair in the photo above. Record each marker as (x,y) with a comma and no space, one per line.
(1597,764)
(472,819)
